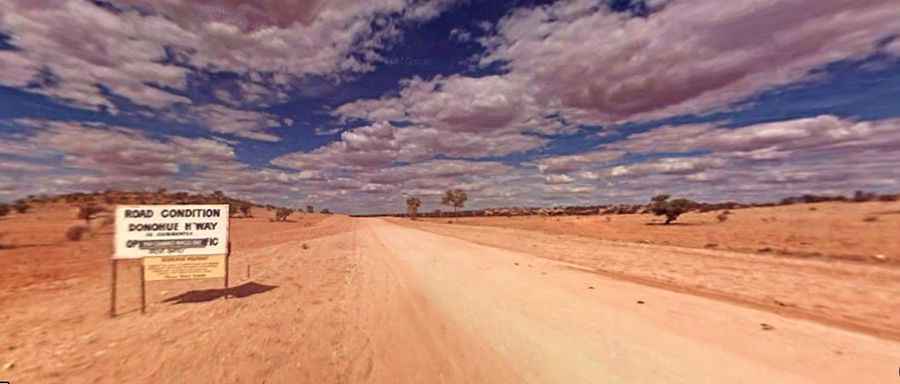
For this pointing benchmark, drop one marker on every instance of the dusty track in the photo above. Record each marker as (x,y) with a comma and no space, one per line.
(863,297)
(371,301)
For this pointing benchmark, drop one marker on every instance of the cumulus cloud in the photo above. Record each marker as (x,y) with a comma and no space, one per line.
(129,49)
(242,123)
(460,35)
(106,156)
(456,103)
(801,155)
(808,137)
(558,179)
(823,154)
(570,163)
(688,57)
(666,166)
(382,144)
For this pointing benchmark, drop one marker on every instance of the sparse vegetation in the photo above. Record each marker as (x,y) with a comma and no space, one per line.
(862,196)
(723,217)
(4,210)
(77,232)
(282,214)
(412,207)
(661,206)
(88,212)
(21,206)
(455,198)
(246,210)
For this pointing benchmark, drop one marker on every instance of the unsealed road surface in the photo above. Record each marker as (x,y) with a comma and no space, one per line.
(549,322)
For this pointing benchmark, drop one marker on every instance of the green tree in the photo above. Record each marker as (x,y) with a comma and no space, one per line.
(660,205)
(412,207)
(455,198)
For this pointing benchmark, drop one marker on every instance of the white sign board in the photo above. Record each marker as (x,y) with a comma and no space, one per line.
(170,230)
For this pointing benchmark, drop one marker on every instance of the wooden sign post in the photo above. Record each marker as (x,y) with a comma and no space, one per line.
(112,288)
(173,242)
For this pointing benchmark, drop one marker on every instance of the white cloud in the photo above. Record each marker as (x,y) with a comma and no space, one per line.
(86,46)
(558,179)
(689,57)
(570,163)
(382,144)
(457,103)
(242,123)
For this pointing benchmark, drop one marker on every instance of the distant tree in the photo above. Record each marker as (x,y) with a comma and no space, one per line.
(218,196)
(88,212)
(21,206)
(455,198)
(723,217)
(325,211)
(310,209)
(282,214)
(245,210)
(862,196)
(412,207)
(4,210)
(161,191)
(661,206)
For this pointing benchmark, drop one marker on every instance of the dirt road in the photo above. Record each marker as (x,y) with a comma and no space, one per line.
(552,323)
(369,301)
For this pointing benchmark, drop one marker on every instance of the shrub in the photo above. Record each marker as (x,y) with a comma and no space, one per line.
(723,217)
(326,211)
(4,210)
(310,209)
(88,212)
(661,206)
(76,232)
(862,196)
(282,214)
(245,210)
(21,206)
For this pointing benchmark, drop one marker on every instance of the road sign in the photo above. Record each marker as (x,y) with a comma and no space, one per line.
(170,230)
(184,267)
(173,242)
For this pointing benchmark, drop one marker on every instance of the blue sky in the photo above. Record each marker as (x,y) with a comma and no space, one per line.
(353,105)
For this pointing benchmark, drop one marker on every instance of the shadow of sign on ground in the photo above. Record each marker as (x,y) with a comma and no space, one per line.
(204,295)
